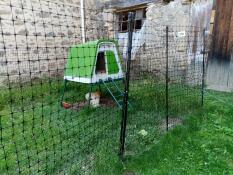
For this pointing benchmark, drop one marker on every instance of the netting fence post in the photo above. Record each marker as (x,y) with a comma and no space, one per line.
(203,69)
(167,105)
(131,17)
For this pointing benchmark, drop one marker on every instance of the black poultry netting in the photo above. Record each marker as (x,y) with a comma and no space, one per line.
(74,95)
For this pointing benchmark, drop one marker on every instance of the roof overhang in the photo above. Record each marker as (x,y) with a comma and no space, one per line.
(128,8)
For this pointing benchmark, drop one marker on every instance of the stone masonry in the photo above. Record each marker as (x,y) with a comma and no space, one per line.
(185,40)
(36,34)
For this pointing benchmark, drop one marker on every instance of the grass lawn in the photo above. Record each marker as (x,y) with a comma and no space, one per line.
(38,136)
(203,145)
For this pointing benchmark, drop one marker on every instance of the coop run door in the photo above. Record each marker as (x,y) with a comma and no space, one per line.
(111,62)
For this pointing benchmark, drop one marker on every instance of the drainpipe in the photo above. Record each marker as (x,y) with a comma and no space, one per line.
(82,21)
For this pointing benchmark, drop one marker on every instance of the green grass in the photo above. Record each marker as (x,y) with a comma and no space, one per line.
(202,145)
(38,136)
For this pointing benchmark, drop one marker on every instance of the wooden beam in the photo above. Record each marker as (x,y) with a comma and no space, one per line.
(230,41)
(223,26)
(136,7)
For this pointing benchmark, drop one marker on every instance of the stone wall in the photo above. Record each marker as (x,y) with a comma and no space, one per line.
(185,40)
(36,35)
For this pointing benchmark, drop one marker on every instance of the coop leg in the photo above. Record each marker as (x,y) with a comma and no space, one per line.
(123,80)
(89,99)
(99,86)
(63,91)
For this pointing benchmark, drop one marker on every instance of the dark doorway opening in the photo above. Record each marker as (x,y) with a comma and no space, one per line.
(100,63)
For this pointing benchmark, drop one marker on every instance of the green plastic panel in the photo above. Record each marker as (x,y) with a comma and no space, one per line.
(81,60)
(82,57)
(112,63)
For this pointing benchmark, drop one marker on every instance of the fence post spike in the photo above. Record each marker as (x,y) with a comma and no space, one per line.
(167,72)
(203,69)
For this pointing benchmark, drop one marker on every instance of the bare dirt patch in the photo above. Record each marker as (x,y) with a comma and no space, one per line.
(128,173)
(104,102)
(172,122)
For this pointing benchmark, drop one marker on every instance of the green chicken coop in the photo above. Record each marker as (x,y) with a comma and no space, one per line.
(95,62)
